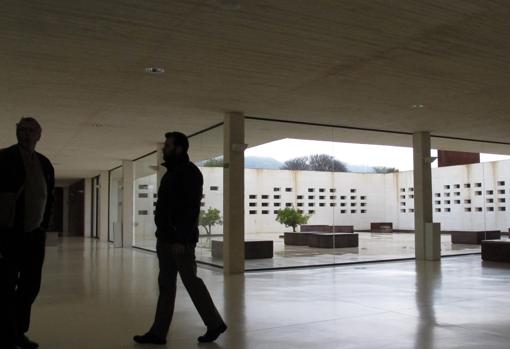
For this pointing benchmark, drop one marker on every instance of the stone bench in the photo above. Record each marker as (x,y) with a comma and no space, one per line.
(381,227)
(332,240)
(496,250)
(254,249)
(474,237)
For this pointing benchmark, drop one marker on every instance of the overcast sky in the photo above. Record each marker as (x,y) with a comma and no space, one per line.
(353,154)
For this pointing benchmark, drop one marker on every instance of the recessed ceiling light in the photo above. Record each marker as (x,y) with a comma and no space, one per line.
(417,106)
(231,5)
(154,70)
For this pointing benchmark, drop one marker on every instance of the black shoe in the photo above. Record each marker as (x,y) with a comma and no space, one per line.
(212,334)
(149,338)
(25,343)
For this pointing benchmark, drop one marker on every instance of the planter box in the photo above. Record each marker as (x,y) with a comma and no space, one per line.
(295,239)
(333,240)
(327,228)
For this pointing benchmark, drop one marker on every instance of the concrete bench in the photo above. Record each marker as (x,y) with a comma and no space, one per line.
(496,250)
(381,227)
(474,237)
(255,249)
(332,240)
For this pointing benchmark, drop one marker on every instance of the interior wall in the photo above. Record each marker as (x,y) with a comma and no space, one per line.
(76,208)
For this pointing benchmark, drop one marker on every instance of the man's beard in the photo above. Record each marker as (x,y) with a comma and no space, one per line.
(171,158)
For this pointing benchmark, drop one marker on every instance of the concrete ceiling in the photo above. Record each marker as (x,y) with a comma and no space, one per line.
(441,66)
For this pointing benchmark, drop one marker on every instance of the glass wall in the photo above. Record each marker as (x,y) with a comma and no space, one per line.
(115,204)
(145,196)
(206,151)
(316,198)
(470,202)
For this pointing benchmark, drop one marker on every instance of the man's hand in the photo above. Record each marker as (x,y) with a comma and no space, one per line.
(178,249)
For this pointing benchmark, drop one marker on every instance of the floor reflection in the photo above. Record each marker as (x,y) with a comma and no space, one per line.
(428,285)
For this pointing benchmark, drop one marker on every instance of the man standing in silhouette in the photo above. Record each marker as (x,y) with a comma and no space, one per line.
(27,181)
(176,217)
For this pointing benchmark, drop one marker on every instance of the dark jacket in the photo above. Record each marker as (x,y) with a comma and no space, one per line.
(12,178)
(178,205)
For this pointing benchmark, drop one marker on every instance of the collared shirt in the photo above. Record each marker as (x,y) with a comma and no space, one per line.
(36,191)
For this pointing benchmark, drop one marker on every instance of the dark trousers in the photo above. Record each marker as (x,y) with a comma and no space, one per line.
(21,271)
(7,306)
(183,263)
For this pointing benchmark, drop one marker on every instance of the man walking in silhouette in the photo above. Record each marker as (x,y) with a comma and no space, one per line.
(176,217)
(27,181)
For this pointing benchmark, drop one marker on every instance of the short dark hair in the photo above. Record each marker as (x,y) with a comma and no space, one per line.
(30,120)
(180,140)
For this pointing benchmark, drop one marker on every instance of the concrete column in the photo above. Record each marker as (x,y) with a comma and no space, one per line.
(233,193)
(128,180)
(87,205)
(65,228)
(425,247)
(103,206)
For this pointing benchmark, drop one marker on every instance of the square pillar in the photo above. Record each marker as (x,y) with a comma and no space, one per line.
(87,205)
(103,205)
(233,193)
(128,180)
(425,246)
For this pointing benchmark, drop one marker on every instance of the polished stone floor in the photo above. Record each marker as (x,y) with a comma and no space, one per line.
(96,296)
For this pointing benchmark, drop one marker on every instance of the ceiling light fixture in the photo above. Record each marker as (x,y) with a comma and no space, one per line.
(230,5)
(154,70)
(417,106)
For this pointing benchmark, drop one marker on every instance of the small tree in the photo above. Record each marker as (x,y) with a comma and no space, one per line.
(290,217)
(209,219)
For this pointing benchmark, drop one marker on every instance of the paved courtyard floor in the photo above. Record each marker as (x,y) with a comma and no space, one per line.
(372,247)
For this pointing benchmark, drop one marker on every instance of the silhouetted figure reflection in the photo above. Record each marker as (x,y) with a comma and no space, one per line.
(27,182)
(176,218)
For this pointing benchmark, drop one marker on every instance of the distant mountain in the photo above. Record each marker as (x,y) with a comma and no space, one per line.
(262,163)
(268,163)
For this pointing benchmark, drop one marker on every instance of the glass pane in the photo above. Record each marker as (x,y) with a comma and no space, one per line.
(459,205)
(145,196)
(206,151)
(290,195)
(376,197)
